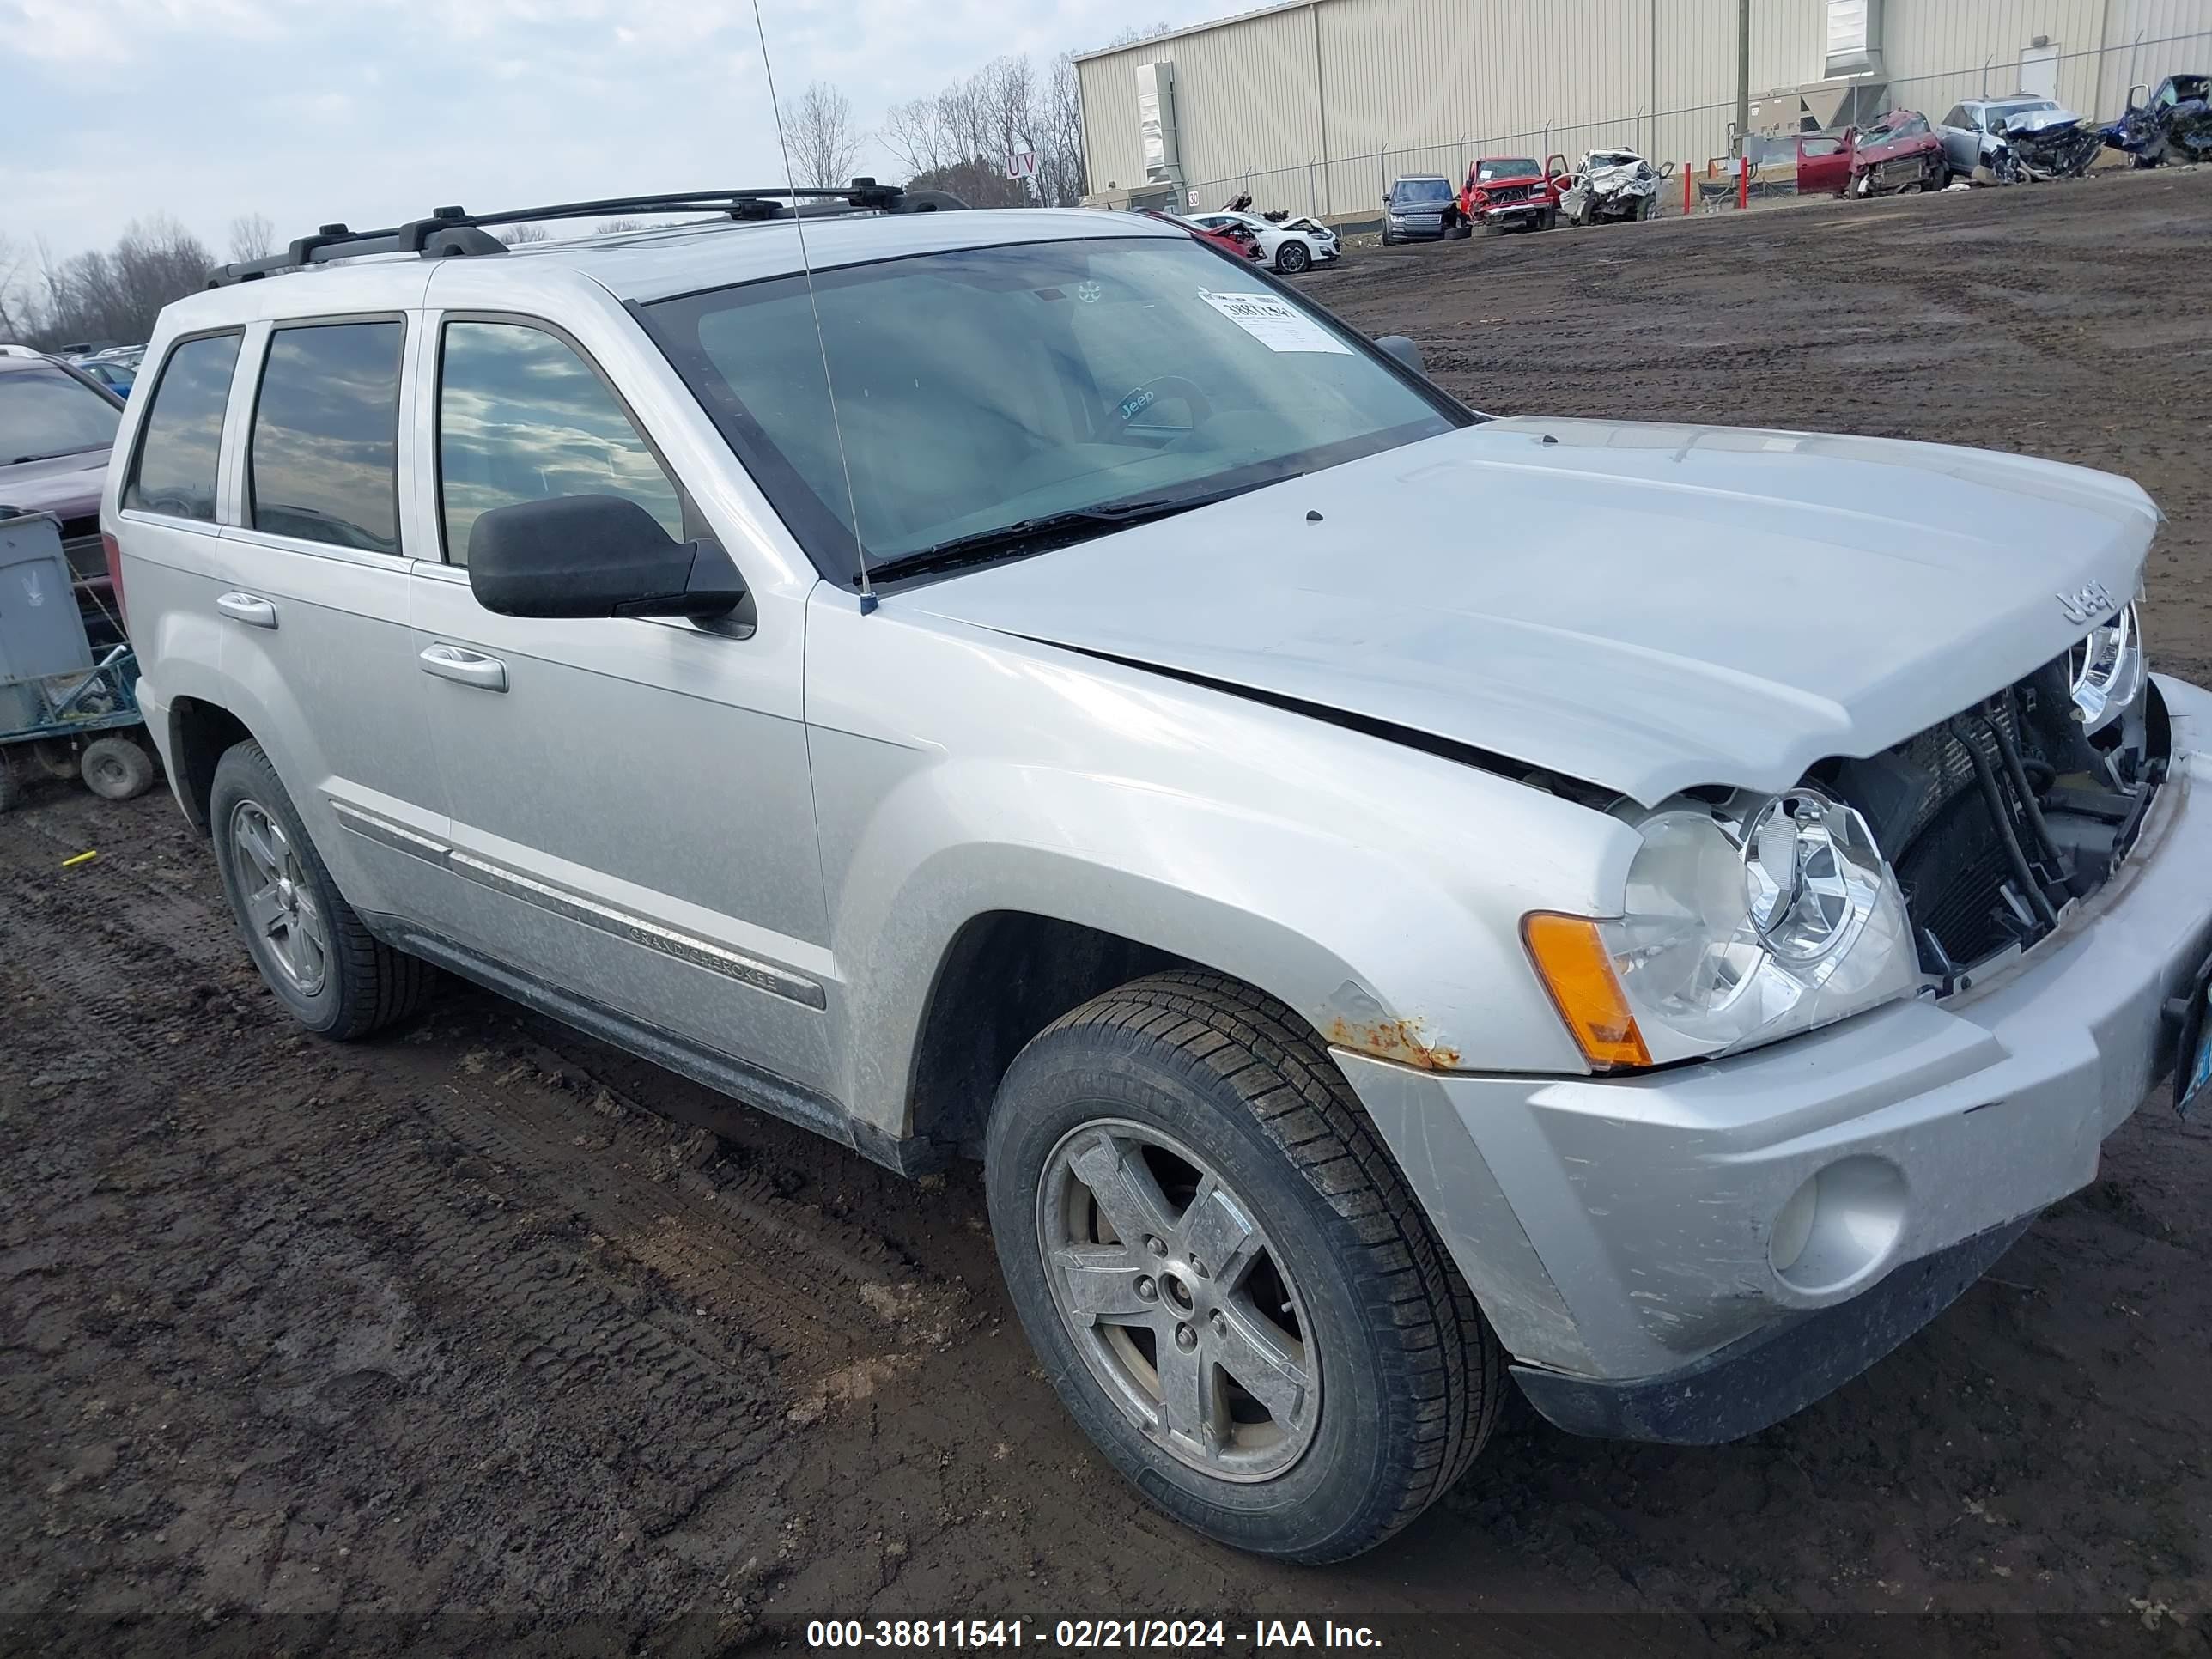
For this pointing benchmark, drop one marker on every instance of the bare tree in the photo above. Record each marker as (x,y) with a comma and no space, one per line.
(113,293)
(1061,180)
(1130,35)
(252,236)
(12,260)
(514,235)
(962,139)
(824,144)
(1007,91)
(912,133)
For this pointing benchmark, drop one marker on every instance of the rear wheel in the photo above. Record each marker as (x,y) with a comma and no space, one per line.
(311,948)
(1224,1273)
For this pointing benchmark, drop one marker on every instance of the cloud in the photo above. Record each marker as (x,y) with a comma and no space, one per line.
(377,110)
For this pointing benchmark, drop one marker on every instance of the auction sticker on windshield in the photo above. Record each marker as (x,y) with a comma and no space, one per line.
(1274,323)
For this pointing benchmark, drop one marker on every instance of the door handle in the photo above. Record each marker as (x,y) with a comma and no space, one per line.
(244,607)
(450,662)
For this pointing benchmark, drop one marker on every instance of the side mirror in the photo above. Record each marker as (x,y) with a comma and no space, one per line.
(2138,94)
(1404,350)
(595,556)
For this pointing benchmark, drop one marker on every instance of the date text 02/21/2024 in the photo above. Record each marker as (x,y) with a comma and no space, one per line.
(1084,1635)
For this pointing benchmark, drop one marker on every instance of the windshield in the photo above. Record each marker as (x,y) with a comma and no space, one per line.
(2001,114)
(1510,166)
(989,388)
(1412,191)
(44,412)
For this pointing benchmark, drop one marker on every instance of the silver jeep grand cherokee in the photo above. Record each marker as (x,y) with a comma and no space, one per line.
(1022,685)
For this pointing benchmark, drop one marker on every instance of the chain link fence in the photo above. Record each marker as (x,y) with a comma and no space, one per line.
(1697,138)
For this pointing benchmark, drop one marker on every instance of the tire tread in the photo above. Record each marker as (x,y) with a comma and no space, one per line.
(1279,1068)
(382,984)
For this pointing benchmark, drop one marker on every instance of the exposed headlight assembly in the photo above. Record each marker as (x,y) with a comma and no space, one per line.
(1743,923)
(2108,671)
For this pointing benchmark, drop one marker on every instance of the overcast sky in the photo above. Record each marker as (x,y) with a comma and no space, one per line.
(373,111)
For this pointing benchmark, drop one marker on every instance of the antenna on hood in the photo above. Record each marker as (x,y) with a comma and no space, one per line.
(829,381)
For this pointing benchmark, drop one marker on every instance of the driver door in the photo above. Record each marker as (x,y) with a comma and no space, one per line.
(631,804)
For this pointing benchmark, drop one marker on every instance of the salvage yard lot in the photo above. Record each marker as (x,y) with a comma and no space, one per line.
(446,1337)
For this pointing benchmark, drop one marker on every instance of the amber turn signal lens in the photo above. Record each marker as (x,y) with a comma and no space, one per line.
(1573,962)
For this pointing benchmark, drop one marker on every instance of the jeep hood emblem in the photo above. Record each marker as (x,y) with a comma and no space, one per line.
(2088,605)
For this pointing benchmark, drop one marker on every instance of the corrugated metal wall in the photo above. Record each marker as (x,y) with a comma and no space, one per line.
(1244,96)
(1318,105)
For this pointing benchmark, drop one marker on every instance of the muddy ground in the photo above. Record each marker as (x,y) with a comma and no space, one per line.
(454,1338)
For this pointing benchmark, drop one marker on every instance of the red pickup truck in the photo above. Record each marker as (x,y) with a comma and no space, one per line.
(1512,189)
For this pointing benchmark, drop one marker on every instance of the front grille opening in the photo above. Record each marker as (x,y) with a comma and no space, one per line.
(1998,818)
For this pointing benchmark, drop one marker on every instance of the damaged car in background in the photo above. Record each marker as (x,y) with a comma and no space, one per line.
(1898,153)
(1613,184)
(2011,141)
(2173,123)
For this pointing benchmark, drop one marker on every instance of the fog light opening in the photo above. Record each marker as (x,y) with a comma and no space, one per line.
(1793,1227)
(1840,1227)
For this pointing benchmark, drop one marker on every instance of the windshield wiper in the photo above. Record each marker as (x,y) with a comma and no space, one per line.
(1052,530)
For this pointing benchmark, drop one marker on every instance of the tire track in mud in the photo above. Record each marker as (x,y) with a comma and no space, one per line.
(808,1288)
(31,866)
(783,1278)
(404,1264)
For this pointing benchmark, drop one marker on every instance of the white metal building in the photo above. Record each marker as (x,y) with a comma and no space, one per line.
(1315,105)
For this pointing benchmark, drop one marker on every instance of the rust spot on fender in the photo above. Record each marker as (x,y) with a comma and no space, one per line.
(1393,1039)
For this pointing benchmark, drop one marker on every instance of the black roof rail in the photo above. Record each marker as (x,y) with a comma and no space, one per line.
(449,232)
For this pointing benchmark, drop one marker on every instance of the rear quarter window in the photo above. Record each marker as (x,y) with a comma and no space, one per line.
(323,465)
(174,472)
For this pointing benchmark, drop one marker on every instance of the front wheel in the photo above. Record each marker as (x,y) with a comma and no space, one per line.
(1292,258)
(1224,1275)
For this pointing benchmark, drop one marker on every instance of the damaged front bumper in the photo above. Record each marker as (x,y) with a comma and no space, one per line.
(1623,1234)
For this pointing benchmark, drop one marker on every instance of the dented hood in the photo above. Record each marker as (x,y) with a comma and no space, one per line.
(1646,607)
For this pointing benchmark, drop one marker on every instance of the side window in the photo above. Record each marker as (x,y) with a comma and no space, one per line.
(175,469)
(1957,116)
(323,463)
(521,417)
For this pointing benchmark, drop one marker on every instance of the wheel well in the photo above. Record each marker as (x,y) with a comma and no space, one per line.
(1007,975)
(199,734)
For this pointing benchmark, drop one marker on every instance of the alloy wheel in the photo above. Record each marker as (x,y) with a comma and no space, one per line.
(283,921)
(1180,1304)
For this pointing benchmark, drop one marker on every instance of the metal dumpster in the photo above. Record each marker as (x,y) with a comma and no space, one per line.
(41,635)
(63,711)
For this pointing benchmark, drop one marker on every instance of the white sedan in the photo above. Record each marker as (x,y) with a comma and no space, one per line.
(1290,247)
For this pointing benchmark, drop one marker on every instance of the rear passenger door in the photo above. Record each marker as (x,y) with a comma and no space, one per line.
(314,605)
(169,506)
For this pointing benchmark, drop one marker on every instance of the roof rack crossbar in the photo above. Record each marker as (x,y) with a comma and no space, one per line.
(451,231)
